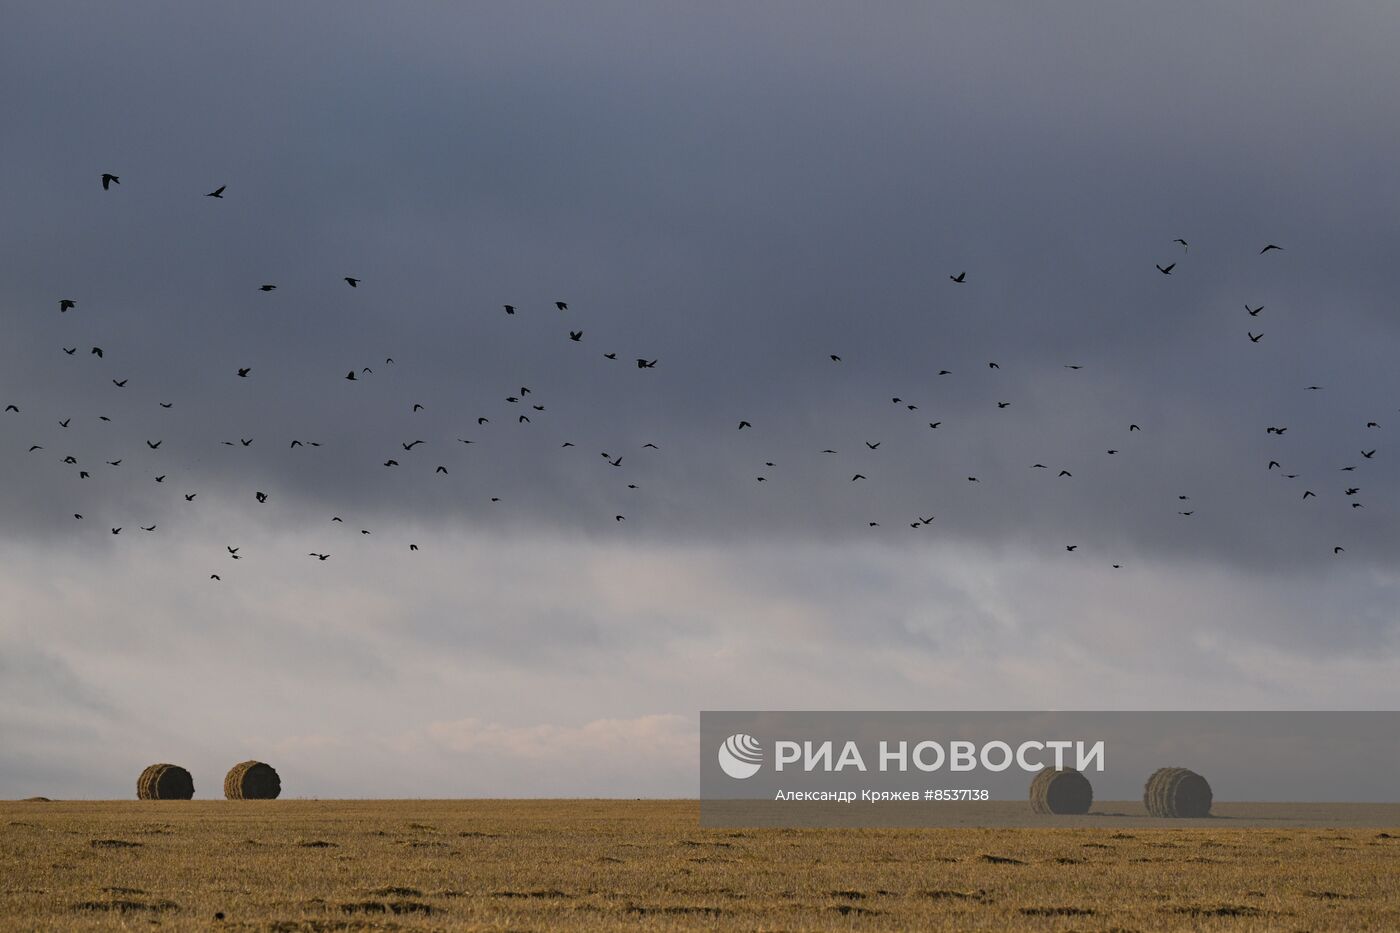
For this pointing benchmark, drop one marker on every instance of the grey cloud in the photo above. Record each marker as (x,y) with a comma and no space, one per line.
(737,192)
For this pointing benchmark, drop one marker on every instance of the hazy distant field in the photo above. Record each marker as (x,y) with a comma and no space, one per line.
(340,865)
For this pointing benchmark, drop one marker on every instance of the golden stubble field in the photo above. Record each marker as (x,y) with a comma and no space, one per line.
(613,865)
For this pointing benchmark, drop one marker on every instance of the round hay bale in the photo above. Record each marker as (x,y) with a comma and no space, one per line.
(252,780)
(1061,791)
(164,782)
(1177,793)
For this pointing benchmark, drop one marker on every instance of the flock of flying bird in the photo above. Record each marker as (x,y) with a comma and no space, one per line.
(66,305)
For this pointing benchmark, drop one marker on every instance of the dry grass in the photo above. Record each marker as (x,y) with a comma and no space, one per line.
(544,865)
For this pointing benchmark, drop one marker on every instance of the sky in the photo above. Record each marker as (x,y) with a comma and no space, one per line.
(738,192)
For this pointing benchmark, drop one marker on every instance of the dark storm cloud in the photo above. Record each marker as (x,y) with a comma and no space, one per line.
(738,193)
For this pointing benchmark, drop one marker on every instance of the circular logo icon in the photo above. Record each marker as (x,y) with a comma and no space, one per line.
(741,756)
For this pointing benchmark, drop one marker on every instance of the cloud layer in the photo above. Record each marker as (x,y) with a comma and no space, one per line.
(737,193)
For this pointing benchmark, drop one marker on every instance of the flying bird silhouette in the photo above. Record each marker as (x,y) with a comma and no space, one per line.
(108,179)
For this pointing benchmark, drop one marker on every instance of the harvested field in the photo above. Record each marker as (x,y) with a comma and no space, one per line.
(620,865)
